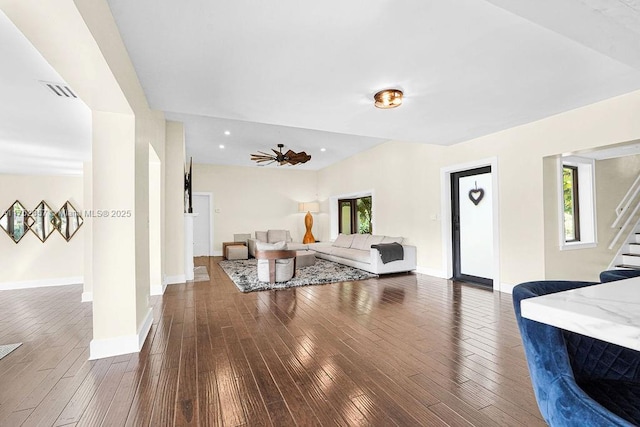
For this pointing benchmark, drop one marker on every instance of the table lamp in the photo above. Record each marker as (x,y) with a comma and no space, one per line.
(308,219)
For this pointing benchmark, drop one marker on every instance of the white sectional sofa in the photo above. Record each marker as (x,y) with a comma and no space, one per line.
(355,250)
(350,249)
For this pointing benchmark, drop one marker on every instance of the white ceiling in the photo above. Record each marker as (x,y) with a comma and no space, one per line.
(40,133)
(304,74)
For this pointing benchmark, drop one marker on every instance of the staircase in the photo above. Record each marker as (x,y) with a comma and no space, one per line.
(628,221)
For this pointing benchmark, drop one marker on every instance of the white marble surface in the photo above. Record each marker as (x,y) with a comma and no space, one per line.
(608,311)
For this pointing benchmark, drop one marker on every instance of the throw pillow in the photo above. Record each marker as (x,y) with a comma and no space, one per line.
(261,236)
(276,236)
(360,241)
(344,241)
(374,240)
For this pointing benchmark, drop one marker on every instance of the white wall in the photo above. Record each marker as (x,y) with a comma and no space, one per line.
(406,181)
(613,179)
(247,199)
(31,262)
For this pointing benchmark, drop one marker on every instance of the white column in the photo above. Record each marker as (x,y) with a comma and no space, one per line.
(174,203)
(188,245)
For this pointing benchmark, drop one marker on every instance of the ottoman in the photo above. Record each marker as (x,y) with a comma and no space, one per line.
(237,252)
(305,258)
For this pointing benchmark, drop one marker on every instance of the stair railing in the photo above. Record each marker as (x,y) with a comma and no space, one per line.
(623,208)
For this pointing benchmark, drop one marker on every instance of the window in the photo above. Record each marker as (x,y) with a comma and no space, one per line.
(354,215)
(576,177)
(571,203)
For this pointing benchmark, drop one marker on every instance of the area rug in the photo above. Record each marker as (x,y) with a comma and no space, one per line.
(244,274)
(200,274)
(8,348)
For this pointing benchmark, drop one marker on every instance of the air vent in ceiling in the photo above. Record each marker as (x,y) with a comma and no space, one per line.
(59,89)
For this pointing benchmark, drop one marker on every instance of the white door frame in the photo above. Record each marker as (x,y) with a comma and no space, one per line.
(210,196)
(445,203)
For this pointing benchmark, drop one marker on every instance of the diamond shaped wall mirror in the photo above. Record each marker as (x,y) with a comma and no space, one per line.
(69,221)
(14,221)
(43,221)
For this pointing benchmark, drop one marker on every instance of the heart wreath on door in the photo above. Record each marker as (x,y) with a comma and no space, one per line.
(476,195)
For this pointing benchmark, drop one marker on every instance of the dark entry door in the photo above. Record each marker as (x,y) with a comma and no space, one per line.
(472,225)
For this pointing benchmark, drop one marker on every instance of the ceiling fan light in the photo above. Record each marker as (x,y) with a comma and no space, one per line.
(388,98)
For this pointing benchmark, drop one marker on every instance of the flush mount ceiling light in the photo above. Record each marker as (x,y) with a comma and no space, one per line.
(388,98)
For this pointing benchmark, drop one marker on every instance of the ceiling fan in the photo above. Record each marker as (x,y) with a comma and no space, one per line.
(290,157)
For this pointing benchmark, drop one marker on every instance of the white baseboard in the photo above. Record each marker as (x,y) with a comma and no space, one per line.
(172,280)
(58,281)
(431,272)
(109,347)
(158,289)
(507,288)
(87,296)
(144,329)
(217,253)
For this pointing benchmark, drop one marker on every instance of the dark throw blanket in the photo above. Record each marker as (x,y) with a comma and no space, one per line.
(390,251)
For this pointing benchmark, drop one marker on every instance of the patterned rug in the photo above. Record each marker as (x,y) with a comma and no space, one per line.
(8,348)
(244,274)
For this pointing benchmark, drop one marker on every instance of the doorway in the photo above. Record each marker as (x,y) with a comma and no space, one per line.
(472,221)
(202,224)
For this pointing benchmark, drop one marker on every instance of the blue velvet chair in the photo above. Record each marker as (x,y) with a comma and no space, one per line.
(577,380)
(613,275)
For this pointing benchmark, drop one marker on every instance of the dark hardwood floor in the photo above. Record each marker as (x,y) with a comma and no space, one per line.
(403,350)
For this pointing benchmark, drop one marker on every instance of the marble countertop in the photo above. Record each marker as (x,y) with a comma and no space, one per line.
(608,311)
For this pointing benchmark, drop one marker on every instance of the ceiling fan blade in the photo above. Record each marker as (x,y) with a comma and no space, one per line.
(301,157)
(290,157)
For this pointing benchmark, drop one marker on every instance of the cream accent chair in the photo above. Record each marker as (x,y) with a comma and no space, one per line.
(275,262)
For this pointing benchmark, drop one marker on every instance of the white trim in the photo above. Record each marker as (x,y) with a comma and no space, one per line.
(211,217)
(109,347)
(333,210)
(586,199)
(42,283)
(144,329)
(174,280)
(158,289)
(217,253)
(87,296)
(507,288)
(445,214)
(431,272)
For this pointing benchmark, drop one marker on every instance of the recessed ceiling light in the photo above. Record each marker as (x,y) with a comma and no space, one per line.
(388,98)
(221,146)
(226,132)
(323,149)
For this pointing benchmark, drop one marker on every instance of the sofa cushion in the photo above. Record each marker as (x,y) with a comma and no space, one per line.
(323,248)
(277,236)
(388,239)
(352,254)
(374,240)
(263,246)
(343,241)
(261,236)
(360,241)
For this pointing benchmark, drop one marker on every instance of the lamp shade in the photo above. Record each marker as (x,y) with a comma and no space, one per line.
(309,207)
